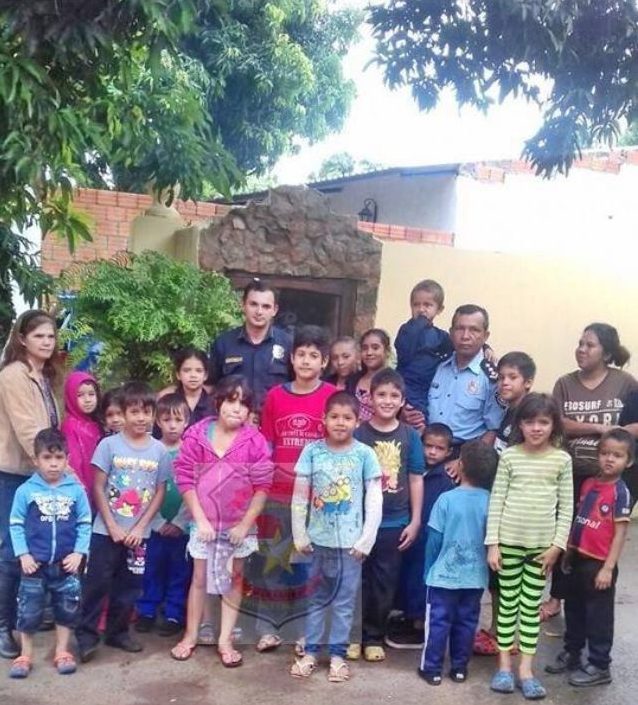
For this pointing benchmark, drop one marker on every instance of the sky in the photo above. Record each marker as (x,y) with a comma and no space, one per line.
(386,126)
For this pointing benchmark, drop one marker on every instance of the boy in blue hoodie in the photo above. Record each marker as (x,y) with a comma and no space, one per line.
(50,527)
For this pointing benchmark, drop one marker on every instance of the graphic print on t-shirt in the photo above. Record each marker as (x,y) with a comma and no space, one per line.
(297,430)
(131,485)
(335,498)
(389,456)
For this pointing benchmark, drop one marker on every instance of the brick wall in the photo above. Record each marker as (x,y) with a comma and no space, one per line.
(112,213)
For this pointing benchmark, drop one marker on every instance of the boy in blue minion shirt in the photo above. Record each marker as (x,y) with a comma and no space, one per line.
(50,526)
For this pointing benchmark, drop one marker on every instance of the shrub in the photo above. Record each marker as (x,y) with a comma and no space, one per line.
(141,308)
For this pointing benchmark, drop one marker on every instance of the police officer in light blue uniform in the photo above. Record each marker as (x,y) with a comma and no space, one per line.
(259,350)
(463,391)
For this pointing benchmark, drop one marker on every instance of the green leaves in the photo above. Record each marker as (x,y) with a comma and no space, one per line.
(144,309)
(583,51)
(118,93)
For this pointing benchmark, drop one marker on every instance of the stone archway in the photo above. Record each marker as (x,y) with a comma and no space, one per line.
(324,266)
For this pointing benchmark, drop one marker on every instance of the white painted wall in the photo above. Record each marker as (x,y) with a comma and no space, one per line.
(589,214)
(420,201)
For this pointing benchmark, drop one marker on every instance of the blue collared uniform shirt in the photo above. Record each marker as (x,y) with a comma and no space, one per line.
(263,364)
(465,400)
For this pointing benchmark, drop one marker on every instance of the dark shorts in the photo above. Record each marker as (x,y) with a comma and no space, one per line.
(64,590)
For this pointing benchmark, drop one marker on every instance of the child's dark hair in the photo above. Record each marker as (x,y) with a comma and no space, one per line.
(172,405)
(479,463)
(180,356)
(520,361)
(229,389)
(317,336)
(615,353)
(137,394)
(440,430)
(431,287)
(342,398)
(470,310)
(387,376)
(112,397)
(50,440)
(261,287)
(621,436)
(533,405)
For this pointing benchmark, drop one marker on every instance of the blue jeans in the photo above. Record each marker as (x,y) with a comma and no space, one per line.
(335,579)
(451,615)
(9,567)
(167,575)
(64,589)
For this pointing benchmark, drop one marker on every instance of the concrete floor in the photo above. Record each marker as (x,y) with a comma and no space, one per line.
(153,678)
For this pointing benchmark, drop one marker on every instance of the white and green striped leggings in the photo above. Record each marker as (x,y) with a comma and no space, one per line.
(520,585)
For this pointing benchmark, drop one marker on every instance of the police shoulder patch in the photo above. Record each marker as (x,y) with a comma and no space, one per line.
(489,370)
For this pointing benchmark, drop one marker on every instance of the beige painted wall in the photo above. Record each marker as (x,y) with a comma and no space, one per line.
(536,304)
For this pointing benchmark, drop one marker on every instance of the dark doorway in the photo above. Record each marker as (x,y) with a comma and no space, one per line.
(329,303)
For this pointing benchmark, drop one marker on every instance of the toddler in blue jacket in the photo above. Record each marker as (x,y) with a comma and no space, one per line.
(50,527)
(420,347)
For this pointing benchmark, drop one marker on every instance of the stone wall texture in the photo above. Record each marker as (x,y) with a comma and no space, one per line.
(293,233)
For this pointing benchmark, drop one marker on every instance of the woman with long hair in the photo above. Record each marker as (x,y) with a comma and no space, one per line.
(27,405)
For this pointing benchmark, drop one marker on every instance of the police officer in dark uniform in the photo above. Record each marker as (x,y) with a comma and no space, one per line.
(259,350)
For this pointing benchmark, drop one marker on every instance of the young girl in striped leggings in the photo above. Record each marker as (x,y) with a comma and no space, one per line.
(527,528)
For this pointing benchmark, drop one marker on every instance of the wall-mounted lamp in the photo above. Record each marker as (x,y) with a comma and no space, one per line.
(368,214)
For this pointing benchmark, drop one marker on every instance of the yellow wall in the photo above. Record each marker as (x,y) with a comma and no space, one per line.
(536,304)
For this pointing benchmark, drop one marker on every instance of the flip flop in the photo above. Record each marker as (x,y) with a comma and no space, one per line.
(182,651)
(374,653)
(229,657)
(303,667)
(65,663)
(21,667)
(268,642)
(339,671)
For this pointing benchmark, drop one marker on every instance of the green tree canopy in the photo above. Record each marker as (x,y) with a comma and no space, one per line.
(575,58)
(342,164)
(123,92)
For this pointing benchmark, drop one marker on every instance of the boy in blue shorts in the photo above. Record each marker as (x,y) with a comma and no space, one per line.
(420,347)
(456,565)
(50,527)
